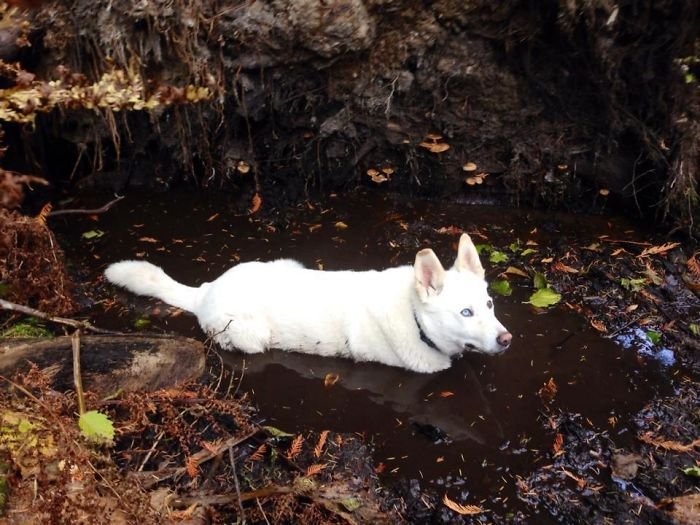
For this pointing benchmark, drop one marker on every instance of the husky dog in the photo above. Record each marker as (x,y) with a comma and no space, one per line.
(413,317)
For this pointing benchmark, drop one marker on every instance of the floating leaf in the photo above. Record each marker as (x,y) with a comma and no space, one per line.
(435,147)
(544,297)
(604,192)
(446,393)
(376,176)
(528,251)
(694,328)
(539,281)
(548,391)
(330,379)
(255,204)
(93,234)
(243,167)
(469,166)
(152,240)
(481,248)
(514,247)
(465,510)
(561,267)
(498,257)
(96,427)
(654,337)
(501,287)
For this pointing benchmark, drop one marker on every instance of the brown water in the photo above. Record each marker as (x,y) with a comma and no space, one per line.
(471,429)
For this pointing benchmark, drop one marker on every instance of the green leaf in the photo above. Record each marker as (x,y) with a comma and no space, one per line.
(498,257)
(481,248)
(654,337)
(544,297)
(633,285)
(350,504)
(501,287)
(693,471)
(528,251)
(539,281)
(141,323)
(93,234)
(694,328)
(276,432)
(515,247)
(96,427)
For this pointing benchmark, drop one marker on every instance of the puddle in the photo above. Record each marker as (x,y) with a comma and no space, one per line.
(469,430)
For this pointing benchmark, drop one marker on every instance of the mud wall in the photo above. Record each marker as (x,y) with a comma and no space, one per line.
(553,101)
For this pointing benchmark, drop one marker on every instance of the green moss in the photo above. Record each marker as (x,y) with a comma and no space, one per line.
(28,328)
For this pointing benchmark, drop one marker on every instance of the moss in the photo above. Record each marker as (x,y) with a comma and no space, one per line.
(28,328)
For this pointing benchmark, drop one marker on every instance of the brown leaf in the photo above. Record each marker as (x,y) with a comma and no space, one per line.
(558,442)
(318,450)
(446,393)
(192,467)
(465,510)
(212,217)
(512,270)
(579,481)
(295,447)
(435,147)
(340,225)
(598,325)
(148,239)
(561,267)
(647,437)
(548,391)
(315,469)
(330,379)
(259,453)
(657,250)
(469,166)
(256,202)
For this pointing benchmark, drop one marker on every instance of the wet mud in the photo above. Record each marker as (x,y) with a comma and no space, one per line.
(481,432)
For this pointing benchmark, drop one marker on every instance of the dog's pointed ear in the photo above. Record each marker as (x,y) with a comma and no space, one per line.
(430,275)
(468,257)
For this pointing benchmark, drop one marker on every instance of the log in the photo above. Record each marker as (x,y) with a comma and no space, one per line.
(109,363)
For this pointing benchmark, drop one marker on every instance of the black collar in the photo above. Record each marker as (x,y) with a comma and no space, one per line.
(424,337)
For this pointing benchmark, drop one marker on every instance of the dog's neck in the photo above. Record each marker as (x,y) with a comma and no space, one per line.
(422,334)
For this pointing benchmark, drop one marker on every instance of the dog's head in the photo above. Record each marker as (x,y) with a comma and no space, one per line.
(453,307)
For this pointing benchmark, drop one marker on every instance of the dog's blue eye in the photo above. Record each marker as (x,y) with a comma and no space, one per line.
(467,312)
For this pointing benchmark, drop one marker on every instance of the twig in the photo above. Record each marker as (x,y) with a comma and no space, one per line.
(241,515)
(150,452)
(88,212)
(150,478)
(7,305)
(77,379)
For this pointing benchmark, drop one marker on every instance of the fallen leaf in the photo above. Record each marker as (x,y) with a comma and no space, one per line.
(213,217)
(544,298)
(256,202)
(433,136)
(561,267)
(558,442)
(648,438)
(315,469)
(330,379)
(318,450)
(657,250)
(548,391)
(243,167)
(598,325)
(192,467)
(295,448)
(469,166)
(465,510)
(446,393)
(512,270)
(579,481)
(340,225)
(435,147)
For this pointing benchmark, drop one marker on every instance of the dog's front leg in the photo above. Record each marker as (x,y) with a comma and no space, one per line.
(427,362)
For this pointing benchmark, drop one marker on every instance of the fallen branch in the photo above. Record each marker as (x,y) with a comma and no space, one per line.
(13,307)
(77,379)
(87,212)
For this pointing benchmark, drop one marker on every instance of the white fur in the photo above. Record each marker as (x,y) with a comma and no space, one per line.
(369,316)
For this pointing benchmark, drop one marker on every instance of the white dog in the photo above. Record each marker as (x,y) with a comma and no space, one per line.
(414,317)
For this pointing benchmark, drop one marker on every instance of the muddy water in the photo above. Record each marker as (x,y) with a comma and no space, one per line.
(470,430)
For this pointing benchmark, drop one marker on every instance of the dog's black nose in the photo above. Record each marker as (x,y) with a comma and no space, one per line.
(504,339)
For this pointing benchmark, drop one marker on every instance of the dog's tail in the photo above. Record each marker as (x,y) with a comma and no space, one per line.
(144,278)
